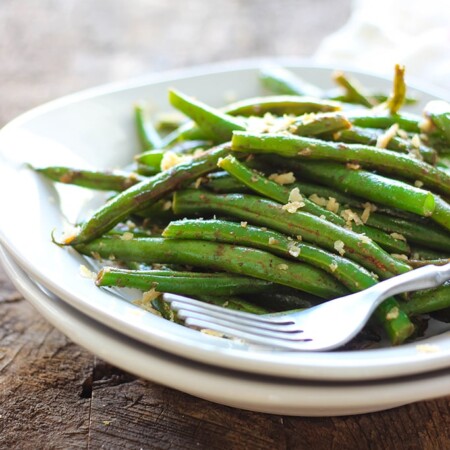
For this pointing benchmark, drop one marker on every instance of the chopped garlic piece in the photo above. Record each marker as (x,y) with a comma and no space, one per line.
(366,214)
(339,247)
(384,139)
(127,236)
(318,200)
(399,256)
(350,216)
(283,178)
(427,348)
(283,266)
(398,236)
(295,196)
(171,159)
(393,313)
(415,141)
(353,166)
(292,207)
(333,266)
(244,224)
(332,205)
(418,183)
(86,273)
(294,251)
(273,241)
(364,238)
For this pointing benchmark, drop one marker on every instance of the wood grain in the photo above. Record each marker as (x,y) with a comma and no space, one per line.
(56,395)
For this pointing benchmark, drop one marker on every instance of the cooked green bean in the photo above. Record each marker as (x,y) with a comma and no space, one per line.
(370,136)
(378,189)
(147,134)
(222,257)
(216,125)
(184,283)
(107,180)
(257,210)
(146,193)
(371,157)
(397,98)
(438,112)
(353,90)
(281,194)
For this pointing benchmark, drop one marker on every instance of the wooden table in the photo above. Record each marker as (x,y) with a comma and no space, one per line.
(54,394)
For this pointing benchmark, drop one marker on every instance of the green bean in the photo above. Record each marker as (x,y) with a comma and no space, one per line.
(222,182)
(281,194)
(438,111)
(147,134)
(146,193)
(257,106)
(313,229)
(216,125)
(397,98)
(184,283)
(350,274)
(107,180)
(282,81)
(353,90)
(383,119)
(222,257)
(370,136)
(374,187)
(280,105)
(414,263)
(419,232)
(315,124)
(428,301)
(371,157)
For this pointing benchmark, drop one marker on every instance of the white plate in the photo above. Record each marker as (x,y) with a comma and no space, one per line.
(95,128)
(232,388)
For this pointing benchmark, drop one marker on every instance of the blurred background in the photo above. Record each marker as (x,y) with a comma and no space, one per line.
(49,48)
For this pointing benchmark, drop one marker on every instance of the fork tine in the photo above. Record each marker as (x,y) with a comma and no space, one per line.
(248,320)
(178,299)
(290,335)
(248,337)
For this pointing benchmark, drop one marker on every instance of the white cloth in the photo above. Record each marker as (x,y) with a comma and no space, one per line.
(381,33)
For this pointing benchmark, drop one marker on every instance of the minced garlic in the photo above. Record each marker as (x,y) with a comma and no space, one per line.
(283,178)
(127,236)
(294,251)
(292,207)
(171,159)
(384,139)
(339,247)
(332,205)
(393,313)
(86,273)
(398,236)
(318,200)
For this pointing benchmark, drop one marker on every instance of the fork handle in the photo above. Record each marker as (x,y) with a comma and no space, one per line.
(423,278)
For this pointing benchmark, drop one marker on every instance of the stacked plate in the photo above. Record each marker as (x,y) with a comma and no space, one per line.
(95,129)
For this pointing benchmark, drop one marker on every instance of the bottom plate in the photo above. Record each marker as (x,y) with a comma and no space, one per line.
(227,387)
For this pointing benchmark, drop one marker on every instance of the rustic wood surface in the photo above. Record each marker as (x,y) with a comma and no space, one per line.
(56,395)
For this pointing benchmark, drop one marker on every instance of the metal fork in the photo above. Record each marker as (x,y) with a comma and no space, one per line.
(323,327)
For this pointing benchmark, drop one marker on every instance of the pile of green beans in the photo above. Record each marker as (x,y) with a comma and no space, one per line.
(278,202)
